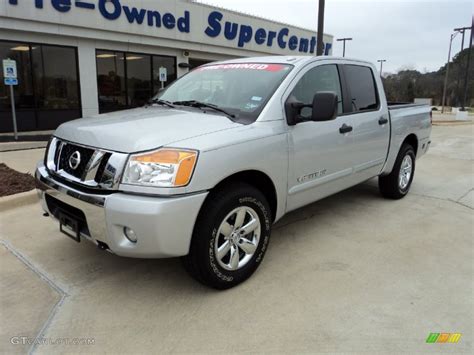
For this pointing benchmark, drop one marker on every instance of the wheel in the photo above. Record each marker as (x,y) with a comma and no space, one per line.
(230,237)
(397,184)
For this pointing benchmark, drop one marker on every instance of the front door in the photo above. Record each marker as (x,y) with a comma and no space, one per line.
(321,161)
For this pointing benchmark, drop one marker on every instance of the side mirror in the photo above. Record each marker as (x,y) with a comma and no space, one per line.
(293,109)
(324,106)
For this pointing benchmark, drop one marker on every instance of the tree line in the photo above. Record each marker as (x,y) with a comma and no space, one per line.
(406,85)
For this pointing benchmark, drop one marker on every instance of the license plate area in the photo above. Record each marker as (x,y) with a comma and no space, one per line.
(70,227)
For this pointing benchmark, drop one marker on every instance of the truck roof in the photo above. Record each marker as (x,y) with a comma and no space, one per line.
(291,59)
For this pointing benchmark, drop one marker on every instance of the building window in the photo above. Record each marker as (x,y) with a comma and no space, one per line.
(127,80)
(55,72)
(167,62)
(138,79)
(47,93)
(19,52)
(194,63)
(111,81)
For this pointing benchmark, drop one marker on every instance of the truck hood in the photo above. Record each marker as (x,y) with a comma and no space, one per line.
(143,128)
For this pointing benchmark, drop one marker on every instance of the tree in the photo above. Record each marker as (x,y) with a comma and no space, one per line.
(408,83)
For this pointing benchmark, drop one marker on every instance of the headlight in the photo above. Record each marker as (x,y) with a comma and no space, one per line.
(164,167)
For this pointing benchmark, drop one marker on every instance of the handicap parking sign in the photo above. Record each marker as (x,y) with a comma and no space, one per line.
(9,72)
(11,81)
(9,69)
(163,73)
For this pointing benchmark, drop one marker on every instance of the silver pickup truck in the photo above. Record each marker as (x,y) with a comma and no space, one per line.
(204,170)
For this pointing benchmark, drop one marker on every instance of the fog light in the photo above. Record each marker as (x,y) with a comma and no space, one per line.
(130,234)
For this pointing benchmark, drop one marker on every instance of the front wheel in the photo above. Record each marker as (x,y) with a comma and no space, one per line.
(397,184)
(230,237)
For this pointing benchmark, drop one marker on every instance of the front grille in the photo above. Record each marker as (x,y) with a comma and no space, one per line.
(67,150)
(103,164)
(83,166)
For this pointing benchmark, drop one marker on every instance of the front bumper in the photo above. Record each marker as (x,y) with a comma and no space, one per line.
(163,225)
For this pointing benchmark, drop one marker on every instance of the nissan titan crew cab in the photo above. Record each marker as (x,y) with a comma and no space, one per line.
(213,161)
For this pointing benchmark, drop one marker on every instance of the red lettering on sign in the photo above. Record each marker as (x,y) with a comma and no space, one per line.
(248,66)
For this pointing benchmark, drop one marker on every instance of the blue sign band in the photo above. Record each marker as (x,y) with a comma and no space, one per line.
(241,34)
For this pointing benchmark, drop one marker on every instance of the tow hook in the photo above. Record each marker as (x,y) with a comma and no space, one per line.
(102,245)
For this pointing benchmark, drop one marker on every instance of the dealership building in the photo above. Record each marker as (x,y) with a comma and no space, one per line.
(81,58)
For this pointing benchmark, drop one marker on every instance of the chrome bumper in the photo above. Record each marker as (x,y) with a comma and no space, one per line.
(163,225)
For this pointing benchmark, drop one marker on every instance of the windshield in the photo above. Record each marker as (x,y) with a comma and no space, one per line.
(241,89)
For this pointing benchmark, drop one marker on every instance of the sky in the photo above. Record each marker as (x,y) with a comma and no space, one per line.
(408,34)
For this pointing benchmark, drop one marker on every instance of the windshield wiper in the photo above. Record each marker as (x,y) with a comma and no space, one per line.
(162,102)
(199,104)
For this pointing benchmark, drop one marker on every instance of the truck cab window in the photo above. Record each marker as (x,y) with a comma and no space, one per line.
(320,78)
(360,81)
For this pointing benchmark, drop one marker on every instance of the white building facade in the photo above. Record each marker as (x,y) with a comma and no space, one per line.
(80,58)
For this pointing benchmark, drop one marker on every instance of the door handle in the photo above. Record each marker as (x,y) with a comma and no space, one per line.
(345,129)
(383,121)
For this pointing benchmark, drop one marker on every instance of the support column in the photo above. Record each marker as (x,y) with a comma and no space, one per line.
(180,58)
(88,78)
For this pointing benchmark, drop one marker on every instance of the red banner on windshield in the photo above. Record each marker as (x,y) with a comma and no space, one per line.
(248,66)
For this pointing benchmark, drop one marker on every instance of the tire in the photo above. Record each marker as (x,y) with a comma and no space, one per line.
(393,186)
(217,228)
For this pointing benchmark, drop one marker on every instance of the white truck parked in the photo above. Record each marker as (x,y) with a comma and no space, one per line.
(215,159)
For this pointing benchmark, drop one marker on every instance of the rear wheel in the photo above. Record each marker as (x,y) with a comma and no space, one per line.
(230,237)
(397,184)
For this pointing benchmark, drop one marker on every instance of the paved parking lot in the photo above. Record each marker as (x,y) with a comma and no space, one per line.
(351,273)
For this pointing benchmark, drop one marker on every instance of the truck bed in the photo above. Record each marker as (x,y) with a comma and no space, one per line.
(396,105)
(405,118)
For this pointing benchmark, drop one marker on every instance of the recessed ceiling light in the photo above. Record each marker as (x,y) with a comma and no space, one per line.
(106,55)
(21,48)
(133,57)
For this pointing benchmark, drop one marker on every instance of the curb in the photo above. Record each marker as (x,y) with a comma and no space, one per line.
(6,147)
(454,123)
(18,200)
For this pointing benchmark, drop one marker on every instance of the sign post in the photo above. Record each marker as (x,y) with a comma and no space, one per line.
(10,79)
(163,76)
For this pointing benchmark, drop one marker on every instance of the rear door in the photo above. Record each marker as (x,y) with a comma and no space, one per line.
(370,120)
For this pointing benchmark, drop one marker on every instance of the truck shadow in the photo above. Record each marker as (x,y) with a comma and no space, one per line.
(167,276)
(355,196)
